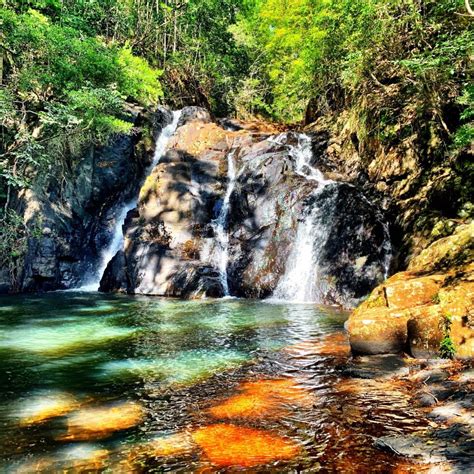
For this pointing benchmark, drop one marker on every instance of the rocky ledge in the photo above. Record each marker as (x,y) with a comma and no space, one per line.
(427,310)
(177,238)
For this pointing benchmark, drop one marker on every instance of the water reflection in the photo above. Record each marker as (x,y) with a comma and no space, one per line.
(95,382)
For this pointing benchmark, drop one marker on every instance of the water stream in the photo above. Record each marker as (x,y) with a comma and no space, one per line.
(301,282)
(220,226)
(117,235)
(114,383)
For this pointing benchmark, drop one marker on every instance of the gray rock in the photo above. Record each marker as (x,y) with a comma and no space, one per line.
(77,216)
(194,113)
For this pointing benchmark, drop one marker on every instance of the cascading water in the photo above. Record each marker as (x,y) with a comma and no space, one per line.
(221,250)
(117,240)
(300,282)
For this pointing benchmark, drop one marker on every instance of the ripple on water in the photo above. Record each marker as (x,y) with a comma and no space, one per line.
(226,445)
(194,401)
(84,457)
(262,399)
(182,368)
(61,338)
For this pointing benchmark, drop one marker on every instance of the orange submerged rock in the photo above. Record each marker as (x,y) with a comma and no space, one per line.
(262,399)
(231,445)
(100,422)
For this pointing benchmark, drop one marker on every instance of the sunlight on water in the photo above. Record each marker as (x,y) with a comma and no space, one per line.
(100,383)
(183,368)
(61,338)
(105,308)
(44,405)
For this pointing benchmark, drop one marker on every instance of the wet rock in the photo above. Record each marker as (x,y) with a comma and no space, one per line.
(425,331)
(376,367)
(426,399)
(444,391)
(163,241)
(409,311)
(467,376)
(171,245)
(446,253)
(101,422)
(6,285)
(193,113)
(226,445)
(73,220)
(378,330)
(161,118)
(410,447)
(402,293)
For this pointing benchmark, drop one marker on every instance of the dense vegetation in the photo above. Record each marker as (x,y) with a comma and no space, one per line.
(68,67)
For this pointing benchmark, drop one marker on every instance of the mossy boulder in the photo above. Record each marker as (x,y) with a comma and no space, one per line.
(409,311)
(446,253)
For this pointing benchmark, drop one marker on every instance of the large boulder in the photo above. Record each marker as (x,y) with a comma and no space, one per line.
(164,238)
(172,244)
(414,311)
(73,219)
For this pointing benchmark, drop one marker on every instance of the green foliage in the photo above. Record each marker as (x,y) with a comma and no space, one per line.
(139,81)
(358,53)
(465,134)
(92,112)
(61,89)
(447,350)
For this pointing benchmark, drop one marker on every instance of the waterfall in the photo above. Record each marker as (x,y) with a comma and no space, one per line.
(220,226)
(117,240)
(300,282)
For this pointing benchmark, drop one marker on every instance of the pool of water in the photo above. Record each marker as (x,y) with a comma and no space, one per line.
(92,382)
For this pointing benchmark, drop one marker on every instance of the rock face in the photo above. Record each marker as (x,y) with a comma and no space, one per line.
(73,220)
(415,310)
(188,223)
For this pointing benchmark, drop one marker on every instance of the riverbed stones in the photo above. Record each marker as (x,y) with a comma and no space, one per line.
(262,399)
(44,406)
(226,445)
(102,421)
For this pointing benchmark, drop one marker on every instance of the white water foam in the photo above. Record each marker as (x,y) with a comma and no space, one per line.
(117,240)
(300,282)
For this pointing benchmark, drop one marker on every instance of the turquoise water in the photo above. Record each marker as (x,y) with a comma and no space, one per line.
(88,381)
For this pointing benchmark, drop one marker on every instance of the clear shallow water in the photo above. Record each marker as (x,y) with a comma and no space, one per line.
(135,384)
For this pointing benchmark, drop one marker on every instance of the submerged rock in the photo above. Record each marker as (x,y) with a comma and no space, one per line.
(101,422)
(226,445)
(44,406)
(262,399)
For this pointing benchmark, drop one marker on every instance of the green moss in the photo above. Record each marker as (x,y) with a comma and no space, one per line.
(435,299)
(376,301)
